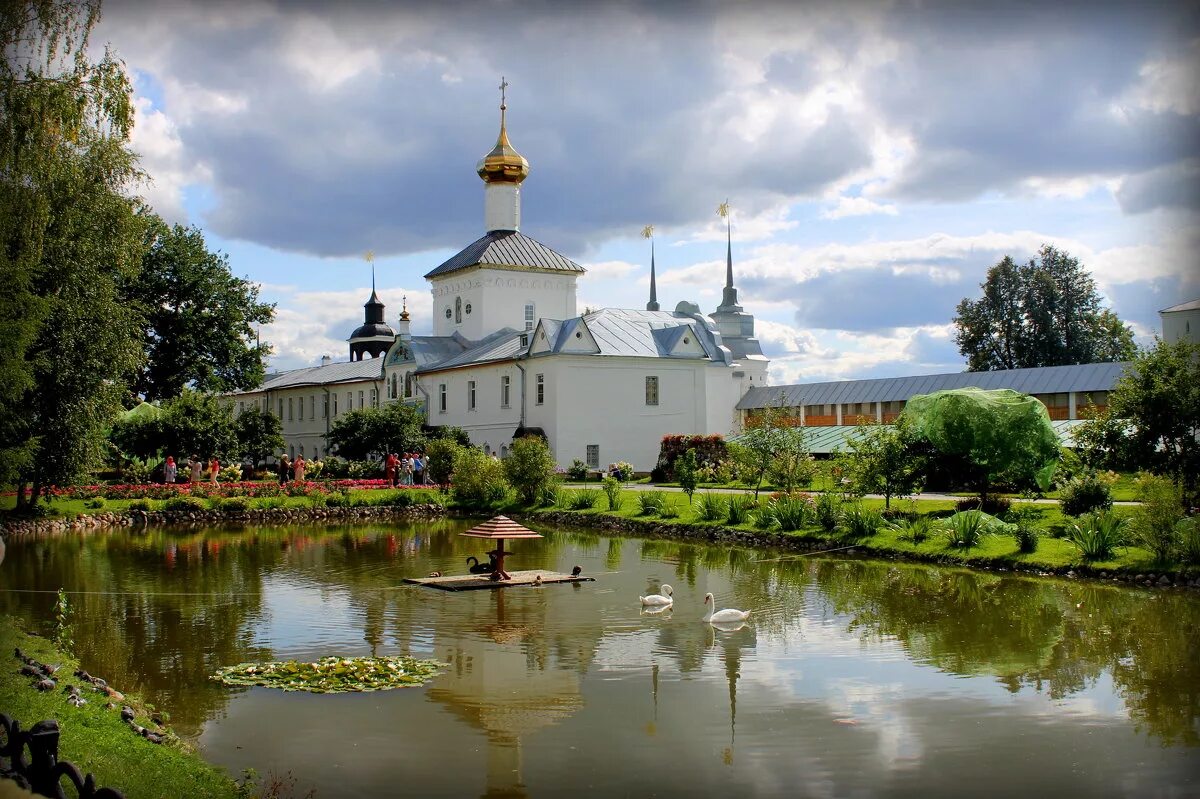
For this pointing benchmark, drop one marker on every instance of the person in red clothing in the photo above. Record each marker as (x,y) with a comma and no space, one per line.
(389,469)
(214,468)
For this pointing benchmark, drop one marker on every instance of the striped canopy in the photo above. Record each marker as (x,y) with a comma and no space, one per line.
(501,527)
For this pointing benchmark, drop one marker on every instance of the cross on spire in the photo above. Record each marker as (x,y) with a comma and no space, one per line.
(503,87)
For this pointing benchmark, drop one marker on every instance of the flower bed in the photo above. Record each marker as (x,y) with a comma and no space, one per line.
(219,490)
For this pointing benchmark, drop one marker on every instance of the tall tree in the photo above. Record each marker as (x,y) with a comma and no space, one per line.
(259,434)
(882,460)
(363,434)
(1043,313)
(1152,420)
(198,317)
(69,234)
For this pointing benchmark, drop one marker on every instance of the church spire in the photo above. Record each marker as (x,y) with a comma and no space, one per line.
(648,233)
(729,299)
(502,170)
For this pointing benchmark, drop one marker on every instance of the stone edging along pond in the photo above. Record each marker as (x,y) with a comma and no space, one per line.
(711,534)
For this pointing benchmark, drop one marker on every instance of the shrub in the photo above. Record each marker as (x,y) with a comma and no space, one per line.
(740,509)
(650,503)
(621,470)
(96,503)
(550,493)
(143,505)
(708,449)
(860,522)
(1154,524)
(337,499)
(726,472)
(478,478)
(528,467)
(584,499)
(363,470)
(577,471)
(272,502)
(317,499)
(183,504)
(994,505)
(1187,533)
(612,491)
(788,512)
(234,505)
(916,529)
(1098,536)
(669,510)
(336,467)
(966,529)
(1027,537)
(1085,493)
(711,507)
(441,454)
(828,512)
(230,474)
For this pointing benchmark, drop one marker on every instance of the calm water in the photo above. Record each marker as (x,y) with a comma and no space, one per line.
(855,678)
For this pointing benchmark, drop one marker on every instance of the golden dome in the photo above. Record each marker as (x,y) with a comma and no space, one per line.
(503,164)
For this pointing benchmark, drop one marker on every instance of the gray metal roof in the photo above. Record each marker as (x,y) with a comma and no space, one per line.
(1042,380)
(350,371)
(1194,305)
(502,345)
(428,350)
(509,248)
(631,332)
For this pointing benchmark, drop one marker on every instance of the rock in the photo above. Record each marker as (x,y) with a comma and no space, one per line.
(45,685)
(1164,580)
(126,713)
(1137,578)
(30,671)
(152,737)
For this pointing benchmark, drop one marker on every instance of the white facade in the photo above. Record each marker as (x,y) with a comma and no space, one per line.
(1181,322)
(480,300)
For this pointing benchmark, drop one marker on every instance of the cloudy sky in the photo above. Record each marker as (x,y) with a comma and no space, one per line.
(878,157)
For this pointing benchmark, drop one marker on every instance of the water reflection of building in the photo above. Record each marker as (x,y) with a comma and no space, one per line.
(508,675)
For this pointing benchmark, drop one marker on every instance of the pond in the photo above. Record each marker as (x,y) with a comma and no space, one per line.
(854,677)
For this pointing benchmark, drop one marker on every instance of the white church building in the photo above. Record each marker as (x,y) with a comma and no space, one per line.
(510,355)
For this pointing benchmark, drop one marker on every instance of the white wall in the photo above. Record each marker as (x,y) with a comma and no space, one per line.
(497,298)
(1181,326)
(303,419)
(489,423)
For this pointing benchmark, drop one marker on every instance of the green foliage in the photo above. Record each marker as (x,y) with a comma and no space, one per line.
(550,495)
(1154,524)
(198,318)
(95,503)
(860,522)
(916,529)
(529,467)
(259,434)
(234,504)
(1044,313)
(370,433)
(1002,434)
(337,499)
(1086,492)
(441,454)
(650,503)
(190,424)
(583,499)
(69,237)
(710,450)
(787,512)
(184,504)
(741,508)
(364,470)
(773,447)
(1187,535)
(828,512)
(612,491)
(1027,537)
(1097,536)
(578,470)
(478,479)
(1152,421)
(333,675)
(711,507)
(448,433)
(669,510)
(143,505)
(966,529)
(686,469)
(882,459)
(62,623)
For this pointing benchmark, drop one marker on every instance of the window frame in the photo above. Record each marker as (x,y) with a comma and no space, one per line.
(592,456)
(540,389)
(442,398)
(471,395)
(505,391)
(652,390)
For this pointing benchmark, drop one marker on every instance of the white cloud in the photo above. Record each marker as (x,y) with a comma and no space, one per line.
(857,206)
(155,139)
(315,50)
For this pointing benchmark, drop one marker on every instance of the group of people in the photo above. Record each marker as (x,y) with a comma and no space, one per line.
(292,469)
(406,470)
(195,469)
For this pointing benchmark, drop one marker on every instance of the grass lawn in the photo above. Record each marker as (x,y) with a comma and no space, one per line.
(994,550)
(95,739)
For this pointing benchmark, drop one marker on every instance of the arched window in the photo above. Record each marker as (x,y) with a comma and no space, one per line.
(487,449)
(408,384)
(392,392)
(458,310)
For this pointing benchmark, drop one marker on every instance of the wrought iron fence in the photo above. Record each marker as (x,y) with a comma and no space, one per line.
(41,771)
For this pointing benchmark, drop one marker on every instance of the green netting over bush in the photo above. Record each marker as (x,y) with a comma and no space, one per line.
(1006,434)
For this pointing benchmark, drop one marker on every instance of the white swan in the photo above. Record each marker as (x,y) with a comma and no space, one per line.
(655,600)
(722,616)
